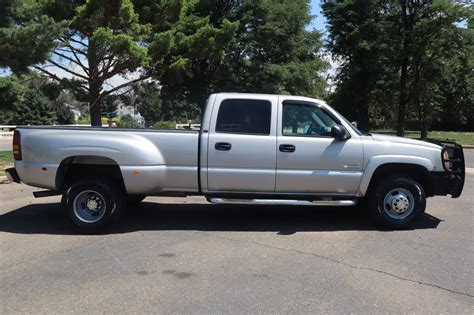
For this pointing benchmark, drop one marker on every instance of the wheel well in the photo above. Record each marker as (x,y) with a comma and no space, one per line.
(417,172)
(77,167)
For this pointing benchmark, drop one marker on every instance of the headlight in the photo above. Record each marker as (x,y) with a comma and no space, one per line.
(447,164)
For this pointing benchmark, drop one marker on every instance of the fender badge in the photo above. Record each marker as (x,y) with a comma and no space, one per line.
(351,166)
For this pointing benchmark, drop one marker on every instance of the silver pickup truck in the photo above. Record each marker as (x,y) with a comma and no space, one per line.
(252,148)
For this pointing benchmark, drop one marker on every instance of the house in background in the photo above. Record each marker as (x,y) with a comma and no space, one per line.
(123,110)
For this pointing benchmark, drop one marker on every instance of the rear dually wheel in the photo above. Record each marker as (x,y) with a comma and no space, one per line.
(93,203)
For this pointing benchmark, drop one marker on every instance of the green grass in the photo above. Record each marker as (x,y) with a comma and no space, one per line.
(458,136)
(6,161)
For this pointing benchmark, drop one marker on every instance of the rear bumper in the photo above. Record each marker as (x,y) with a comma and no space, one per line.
(12,175)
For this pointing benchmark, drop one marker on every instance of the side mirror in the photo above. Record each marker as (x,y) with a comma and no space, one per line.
(338,132)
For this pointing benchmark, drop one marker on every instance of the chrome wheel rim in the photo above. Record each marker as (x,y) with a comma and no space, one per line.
(399,203)
(89,206)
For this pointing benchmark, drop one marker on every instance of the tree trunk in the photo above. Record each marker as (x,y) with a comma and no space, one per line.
(361,99)
(402,101)
(423,122)
(424,129)
(94,105)
(362,107)
(94,87)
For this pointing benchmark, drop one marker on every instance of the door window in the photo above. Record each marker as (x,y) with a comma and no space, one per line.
(306,120)
(244,116)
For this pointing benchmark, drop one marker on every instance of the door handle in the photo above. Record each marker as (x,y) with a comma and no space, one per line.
(223,146)
(287,148)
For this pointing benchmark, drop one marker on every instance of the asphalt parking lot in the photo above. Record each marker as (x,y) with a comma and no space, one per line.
(186,256)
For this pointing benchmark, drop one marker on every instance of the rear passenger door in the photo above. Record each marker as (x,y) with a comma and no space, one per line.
(242,144)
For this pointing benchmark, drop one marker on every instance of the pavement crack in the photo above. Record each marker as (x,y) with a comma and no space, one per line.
(114,257)
(342,263)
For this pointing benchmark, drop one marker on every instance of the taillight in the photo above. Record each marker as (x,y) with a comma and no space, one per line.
(16,146)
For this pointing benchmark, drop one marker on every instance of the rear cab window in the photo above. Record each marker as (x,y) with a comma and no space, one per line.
(244,116)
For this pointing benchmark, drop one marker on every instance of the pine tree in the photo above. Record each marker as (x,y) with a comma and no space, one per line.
(34,108)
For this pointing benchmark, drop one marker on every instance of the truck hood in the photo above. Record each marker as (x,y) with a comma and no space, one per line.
(380,137)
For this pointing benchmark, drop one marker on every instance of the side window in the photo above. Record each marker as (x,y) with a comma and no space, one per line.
(244,116)
(306,120)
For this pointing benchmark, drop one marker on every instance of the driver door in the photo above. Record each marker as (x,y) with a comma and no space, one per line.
(309,160)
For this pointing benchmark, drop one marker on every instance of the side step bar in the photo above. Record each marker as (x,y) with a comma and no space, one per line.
(338,203)
(45,193)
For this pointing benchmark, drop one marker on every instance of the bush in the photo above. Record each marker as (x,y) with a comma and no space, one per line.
(34,109)
(5,117)
(165,125)
(87,121)
(126,121)
(84,121)
(64,114)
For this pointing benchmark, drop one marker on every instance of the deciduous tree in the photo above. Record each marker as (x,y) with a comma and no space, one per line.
(396,57)
(272,52)
(421,33)
(356,41)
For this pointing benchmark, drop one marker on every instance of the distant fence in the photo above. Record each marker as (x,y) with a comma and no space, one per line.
(7,127)
(7,130)
(188,126)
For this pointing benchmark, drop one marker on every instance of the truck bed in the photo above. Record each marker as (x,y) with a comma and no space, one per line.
(151,160)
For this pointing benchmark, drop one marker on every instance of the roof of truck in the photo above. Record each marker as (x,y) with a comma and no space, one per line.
(295,97)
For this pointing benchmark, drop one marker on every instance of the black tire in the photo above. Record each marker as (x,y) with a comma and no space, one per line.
(362,205)
(134,200)
(105,197)
(388,206)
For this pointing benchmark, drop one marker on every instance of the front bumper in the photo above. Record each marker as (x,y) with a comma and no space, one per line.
(451,181)
(12,175)
(446,183)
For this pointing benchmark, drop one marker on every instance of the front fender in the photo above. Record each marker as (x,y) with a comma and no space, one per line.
(377,161)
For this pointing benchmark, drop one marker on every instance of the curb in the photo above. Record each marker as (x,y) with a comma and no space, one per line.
(4,180)
(468,146)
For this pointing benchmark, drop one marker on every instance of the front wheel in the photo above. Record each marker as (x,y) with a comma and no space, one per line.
(93,203)
(396,202)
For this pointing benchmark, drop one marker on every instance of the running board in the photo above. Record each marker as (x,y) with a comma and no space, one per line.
(45,193)
(338,203)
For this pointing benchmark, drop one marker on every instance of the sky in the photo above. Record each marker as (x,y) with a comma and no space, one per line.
(319,22)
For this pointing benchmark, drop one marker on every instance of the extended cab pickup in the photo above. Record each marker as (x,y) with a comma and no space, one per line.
(251,148)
